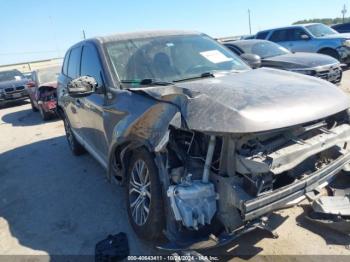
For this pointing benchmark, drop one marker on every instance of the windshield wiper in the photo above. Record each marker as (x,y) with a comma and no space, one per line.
(147,82)
(204,75)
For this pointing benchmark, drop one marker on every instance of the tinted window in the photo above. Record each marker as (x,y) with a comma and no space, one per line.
(262,48)
(170,58)
(90,63)
(295,34)
(262,35)
(234,49)
(65,64)
(279,36)
(74,62)
(11,75)
(319,30)
(342,28)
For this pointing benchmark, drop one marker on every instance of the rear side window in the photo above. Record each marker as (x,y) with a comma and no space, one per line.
(90,63)
(262,35)
(279,36)
(65,64)
(74,62)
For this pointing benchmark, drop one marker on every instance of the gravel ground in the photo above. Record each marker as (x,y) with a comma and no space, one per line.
(53,203)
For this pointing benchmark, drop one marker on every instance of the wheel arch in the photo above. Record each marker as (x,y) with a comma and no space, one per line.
(119,157)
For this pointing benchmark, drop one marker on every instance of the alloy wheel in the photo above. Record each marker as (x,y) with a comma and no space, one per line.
(140,192)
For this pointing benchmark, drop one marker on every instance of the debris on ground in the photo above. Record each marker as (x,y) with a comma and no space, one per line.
(113,248)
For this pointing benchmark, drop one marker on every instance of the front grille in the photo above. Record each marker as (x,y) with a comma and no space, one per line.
(9,89)
(331,75)
(18,88)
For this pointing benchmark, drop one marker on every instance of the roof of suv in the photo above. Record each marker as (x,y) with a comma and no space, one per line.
(287,27)
(142,35)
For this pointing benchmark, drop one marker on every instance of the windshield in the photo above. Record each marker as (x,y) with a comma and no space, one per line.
(10,75)
(170,58)
(264,49)
(48,74)
(319,30)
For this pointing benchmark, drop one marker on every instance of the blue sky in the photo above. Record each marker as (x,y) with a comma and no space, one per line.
(39,29)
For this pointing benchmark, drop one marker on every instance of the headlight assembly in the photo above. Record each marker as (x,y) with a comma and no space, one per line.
(346,43)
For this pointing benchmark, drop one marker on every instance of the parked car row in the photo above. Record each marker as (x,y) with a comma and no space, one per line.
(313,38)
(206,146)
(268,54)
(39,86)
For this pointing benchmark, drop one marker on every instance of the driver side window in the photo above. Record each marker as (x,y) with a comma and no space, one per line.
(90,64)
(295,34)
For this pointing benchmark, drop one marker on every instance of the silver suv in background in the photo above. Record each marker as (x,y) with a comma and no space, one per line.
(13,86)
(314,38)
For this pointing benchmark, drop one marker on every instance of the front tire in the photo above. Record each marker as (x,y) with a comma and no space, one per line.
(76,148)
(330,52)
(33,106)
(144,196)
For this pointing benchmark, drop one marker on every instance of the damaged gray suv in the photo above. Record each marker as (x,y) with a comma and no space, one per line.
(205,146)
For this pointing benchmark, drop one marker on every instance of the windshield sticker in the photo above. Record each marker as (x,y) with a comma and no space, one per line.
(215,56)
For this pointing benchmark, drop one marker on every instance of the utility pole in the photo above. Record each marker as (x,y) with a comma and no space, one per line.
(250,24)
(84,35)
(344,11)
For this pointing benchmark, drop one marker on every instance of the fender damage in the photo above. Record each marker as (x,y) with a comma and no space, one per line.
(257,159)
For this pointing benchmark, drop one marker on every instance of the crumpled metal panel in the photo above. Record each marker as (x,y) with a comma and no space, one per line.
(252,101)
(335,205)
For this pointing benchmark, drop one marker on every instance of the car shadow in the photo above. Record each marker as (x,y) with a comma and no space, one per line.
(57,203)
(15,103)
(25,118)
(244,247)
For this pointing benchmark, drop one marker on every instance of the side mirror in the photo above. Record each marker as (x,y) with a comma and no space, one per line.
(82,86)
(305,37)
(254,61)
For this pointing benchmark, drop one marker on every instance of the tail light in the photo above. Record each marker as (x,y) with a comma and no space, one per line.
(30,84)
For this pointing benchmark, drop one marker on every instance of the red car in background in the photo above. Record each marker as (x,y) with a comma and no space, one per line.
(42,91)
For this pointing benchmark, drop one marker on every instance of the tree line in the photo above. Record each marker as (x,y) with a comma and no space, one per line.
(326,21)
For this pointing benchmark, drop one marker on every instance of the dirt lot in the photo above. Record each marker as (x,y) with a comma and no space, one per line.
(56,204)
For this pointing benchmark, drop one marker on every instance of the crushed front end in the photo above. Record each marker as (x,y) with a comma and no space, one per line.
(233,180)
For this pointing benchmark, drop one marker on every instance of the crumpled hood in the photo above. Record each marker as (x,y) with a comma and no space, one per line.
(301,60)
(252,101)
(13,83)
(52,84)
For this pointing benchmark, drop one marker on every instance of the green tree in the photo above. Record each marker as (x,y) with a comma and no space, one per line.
(326,21)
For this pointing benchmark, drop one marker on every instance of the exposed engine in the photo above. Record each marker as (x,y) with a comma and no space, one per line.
(241,177)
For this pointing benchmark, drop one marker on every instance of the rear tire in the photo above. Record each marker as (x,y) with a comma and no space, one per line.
(44,115)
(330,52)
(144,196)
(33,106)
(73,143)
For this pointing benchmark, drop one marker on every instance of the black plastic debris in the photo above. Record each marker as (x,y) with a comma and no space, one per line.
(332,212)
(113,248)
